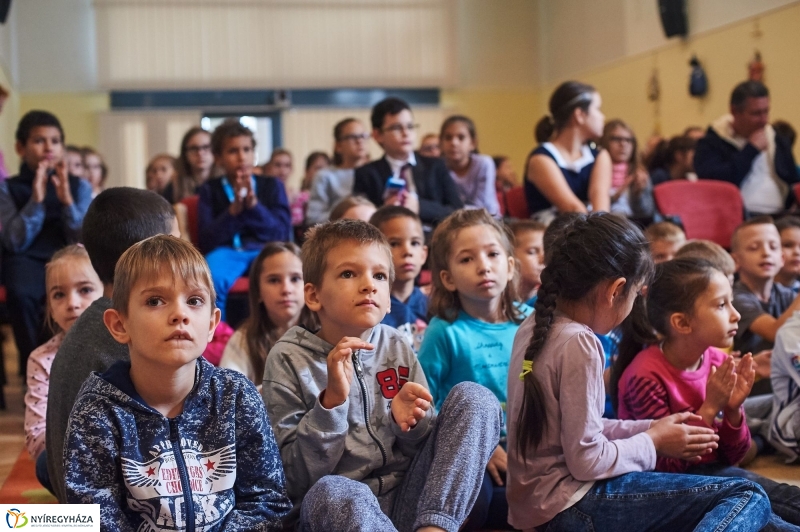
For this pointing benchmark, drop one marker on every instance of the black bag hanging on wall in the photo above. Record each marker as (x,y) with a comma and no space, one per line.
(698,82)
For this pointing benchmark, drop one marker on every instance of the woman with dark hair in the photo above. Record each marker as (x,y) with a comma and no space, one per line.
(195,165)
(673,160)
(564,174)
(335,183)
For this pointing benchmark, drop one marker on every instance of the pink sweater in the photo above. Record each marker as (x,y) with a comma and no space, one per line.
(652,388)
(39,364)
(578,446)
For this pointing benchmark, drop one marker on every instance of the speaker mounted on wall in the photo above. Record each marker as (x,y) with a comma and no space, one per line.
(5,5)
(673,17)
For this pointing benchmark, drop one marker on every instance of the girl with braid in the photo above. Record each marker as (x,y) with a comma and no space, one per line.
(570,469)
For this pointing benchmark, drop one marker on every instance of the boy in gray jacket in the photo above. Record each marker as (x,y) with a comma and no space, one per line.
(349,405)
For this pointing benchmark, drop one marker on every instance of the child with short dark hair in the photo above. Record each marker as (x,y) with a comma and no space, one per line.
(665,239)
(529,253)
(41,211)
(789,231)
(166,439)
(238,212)
(117,218)
(409,306)
(421,184)
(350,407)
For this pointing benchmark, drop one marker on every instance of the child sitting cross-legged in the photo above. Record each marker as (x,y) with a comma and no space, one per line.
(350,406)
(409,306)
(167,441)
(689,315)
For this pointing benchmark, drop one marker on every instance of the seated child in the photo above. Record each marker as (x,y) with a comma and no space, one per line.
(350,407)
(408,311)
(789,230)
(41,211)
(476,315)
(529,253)
(161,171)
(689,306)
(238,212)
(473,173)
(276,305)
(72,285)
(665,239)
(167,427)
(426,187)
(429,145)
(568,468)
(74,160)
(117,218)
(784,428)
(711,252)
(353,208)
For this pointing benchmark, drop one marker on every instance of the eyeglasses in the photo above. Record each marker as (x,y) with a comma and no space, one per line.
(398,129)
(355,138)
(621,140)
(198,149)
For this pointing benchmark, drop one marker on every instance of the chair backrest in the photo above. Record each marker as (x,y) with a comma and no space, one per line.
(191,218)
(709,210)
(796,190)
(517,203)
(501,201)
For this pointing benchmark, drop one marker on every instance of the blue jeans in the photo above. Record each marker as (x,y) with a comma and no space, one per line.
(667,501)
(226,265)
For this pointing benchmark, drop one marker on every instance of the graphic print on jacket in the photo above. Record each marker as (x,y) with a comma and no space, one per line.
(219,454)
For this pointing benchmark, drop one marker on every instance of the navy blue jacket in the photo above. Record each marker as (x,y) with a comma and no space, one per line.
(220,453)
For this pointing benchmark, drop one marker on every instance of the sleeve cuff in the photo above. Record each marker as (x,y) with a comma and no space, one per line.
(329,420)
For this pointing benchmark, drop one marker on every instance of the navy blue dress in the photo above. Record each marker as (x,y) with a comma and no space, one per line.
(576,173)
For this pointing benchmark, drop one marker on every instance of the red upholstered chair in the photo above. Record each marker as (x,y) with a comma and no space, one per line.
(709,210)
(796,190)
(517,203)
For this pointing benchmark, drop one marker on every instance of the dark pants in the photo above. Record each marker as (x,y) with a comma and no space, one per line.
(23,278)
(490,510)
(41,472)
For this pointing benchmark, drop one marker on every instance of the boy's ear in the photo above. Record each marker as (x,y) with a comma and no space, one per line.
(735,257)
(116,326)
(19,148)
(312,297)
(680,323)
(213,322)
(424,254)
(377,136)
(447,280)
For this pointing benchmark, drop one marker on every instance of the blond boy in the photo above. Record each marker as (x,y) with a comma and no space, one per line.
(665,238)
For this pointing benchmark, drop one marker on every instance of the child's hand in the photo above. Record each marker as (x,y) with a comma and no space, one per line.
(61,181)
(674,439)
(745,377)
(410,405)
(40,182)
(763,363)
(411,202)
(340,371)
(498,465)
(718,390)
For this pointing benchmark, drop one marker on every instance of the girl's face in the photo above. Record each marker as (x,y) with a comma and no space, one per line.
(74,163)
(72,285)
(280,166)
(159,174)
(198,153)
(457,143)
(620,145)
(281,288)
(593,120)
(359,212)
(318,164)
(94,170)
(353,142)
(713,319)
(478,268)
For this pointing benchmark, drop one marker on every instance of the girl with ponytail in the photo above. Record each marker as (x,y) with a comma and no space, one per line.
(564,174)
(570,469)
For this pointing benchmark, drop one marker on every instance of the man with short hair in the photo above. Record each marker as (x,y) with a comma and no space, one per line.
(742,148)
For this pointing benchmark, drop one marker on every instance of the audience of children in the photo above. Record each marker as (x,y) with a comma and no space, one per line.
(166,439)
(529,254)
(408,312)
(238,212)
(789,231)
(665,239)
(564,174)
(429,145)
(195,165)
(334,184)
(475,317)
(276,305)
(689,315)
(95,170)
(72,285)
(571,469)
(421,184)
(160,172)
(473,173)
(41,211)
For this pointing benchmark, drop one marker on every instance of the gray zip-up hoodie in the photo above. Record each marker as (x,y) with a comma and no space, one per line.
(358,439)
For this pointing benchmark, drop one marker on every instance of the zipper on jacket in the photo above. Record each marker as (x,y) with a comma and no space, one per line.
(363,386)
(181,464)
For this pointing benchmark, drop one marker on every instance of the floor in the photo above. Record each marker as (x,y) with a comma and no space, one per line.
(12,439)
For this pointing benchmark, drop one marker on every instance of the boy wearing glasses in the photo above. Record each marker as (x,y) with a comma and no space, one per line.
(402,177)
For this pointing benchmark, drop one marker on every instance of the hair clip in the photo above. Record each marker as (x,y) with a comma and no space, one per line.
(527,367)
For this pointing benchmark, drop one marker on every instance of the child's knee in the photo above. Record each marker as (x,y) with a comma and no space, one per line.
(342,489)
(471,395)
